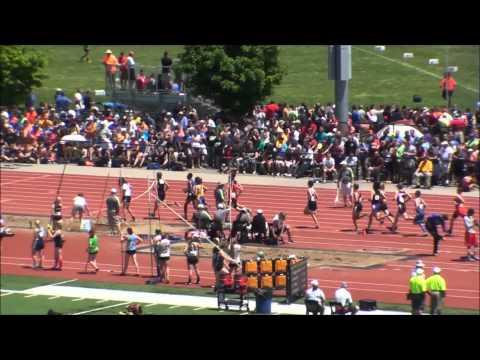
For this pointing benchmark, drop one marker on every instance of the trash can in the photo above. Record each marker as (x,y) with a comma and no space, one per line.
(263,301)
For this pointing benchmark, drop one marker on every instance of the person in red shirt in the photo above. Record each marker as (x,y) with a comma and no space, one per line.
(448,86)
(31,115)
(141,81)
(122,61)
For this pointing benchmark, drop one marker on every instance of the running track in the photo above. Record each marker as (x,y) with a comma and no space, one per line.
(32,193)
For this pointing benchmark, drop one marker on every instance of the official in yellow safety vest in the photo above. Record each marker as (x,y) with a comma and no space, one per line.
(417,292)
(436,288)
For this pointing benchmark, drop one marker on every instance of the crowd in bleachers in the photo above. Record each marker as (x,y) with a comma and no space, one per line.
(273,139)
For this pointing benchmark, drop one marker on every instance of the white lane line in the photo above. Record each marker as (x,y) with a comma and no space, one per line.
(79,299)
(245,313)
(149,305)
(6,294)
(199,308)
(101,301)
(53,297)
(28,179)
(29,296)
(101,308)
(410,66)
(175,306)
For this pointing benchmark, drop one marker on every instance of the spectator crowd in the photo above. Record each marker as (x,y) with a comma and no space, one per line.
(273,139)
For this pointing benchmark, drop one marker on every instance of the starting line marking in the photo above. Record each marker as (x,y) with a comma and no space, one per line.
(101,308)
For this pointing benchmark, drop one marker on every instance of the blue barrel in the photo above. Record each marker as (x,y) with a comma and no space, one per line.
(263,302)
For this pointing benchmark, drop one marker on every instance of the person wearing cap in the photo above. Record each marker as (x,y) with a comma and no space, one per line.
(259,227)
(113,212)
(315,294)
(38,245)
(424,172)
(344,300)
(436,288)
(110,62)
(417,290)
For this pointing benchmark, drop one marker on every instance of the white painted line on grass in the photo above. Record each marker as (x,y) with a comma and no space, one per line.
(62,282)
(410,66)
(245,313)
(199,308)
(29,296)
(101,308)
(53,297)
(6,294)
(175,306)
(101,301)
(150,305)
(79,299)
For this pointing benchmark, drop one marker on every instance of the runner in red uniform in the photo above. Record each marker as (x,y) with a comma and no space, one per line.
(460,209)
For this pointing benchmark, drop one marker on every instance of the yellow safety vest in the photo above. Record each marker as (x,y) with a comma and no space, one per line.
(436,283)
(418,285)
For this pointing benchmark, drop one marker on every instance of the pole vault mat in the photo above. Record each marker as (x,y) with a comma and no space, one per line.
(359,259)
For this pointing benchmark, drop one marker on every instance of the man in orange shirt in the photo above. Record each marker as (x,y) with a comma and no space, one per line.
(111,63)
(448,86)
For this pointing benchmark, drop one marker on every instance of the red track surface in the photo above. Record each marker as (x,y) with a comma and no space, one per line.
(32,193)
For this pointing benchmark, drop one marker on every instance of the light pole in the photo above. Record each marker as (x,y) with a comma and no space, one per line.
(340,70)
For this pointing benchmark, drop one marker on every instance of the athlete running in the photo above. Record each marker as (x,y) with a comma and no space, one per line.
(401,198)
(379,204)
(460,210)
(420,206)
(357,205)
